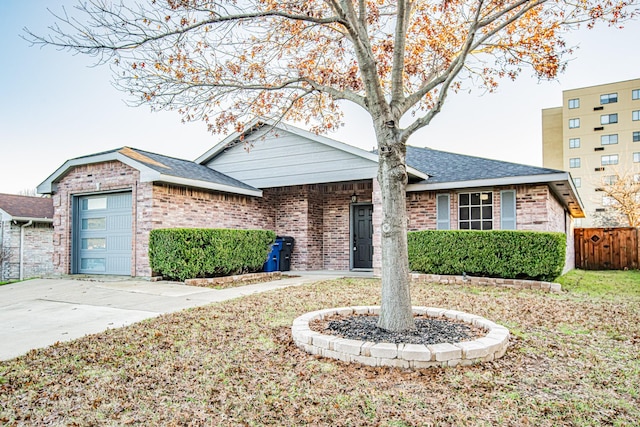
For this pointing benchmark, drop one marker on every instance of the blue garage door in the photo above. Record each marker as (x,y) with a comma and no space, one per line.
(103,234)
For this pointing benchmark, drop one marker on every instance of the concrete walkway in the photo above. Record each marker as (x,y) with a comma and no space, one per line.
(38,313)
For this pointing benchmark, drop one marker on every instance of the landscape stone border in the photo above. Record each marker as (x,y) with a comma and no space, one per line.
(490,347)
(238,278)
(486,281)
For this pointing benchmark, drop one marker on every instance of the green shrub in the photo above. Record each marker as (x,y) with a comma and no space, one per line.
(186,253)
(498,253)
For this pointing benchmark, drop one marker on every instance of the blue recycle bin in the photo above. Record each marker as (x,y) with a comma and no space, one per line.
(273,260)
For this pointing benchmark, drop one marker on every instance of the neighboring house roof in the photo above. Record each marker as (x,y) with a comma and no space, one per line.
(157,168)
(450,170)
(25,208)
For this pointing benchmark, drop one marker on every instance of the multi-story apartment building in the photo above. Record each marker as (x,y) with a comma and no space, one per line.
(595,136)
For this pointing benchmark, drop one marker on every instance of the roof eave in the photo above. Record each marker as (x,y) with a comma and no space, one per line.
(203,184)
(571,200)
(27,219)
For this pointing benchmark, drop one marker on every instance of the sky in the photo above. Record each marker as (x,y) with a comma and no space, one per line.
(55,106)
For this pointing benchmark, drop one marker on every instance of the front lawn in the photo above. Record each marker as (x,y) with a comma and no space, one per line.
(573,360)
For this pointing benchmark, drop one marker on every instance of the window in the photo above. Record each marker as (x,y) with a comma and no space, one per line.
(94,224)
(94,203)
(636,136)
(636,157)
(611,159)
(608,119)
(635,116)
(475,211)
(609,139)
(607,201)
(508,210)
(609,98)
(442,212)
(574,162)
(609,179)
(574,103)
(574,123)
(635,94)
(574,142)
(636,178)
(577,182)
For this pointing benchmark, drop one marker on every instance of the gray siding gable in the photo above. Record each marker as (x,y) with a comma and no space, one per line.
(274,157)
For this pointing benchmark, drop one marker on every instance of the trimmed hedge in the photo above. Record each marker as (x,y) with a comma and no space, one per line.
(498,253)
(189,253)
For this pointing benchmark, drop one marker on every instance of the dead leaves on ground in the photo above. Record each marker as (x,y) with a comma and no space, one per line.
(571,362)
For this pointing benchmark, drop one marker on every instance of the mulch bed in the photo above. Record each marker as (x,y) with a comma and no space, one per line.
(428,330)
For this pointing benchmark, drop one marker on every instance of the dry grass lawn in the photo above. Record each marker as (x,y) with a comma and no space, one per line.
(573,361)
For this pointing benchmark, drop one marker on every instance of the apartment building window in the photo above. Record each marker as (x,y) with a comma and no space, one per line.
(636,136)
(635,116)
(609,98)
(574,162)
(574,103)
(636,177)
(607,201)
(609,179)
(611,159)
(636,157)
(575,142)
(475,211)
(635,94)
(608,119)
(609,139)
(577,182)
(575,123)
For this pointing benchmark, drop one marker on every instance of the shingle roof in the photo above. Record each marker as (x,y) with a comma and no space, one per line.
(442,166)
(26,207)
(172,166)
(181,168)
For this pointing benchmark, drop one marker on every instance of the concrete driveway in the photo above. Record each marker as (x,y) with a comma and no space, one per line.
(38,313)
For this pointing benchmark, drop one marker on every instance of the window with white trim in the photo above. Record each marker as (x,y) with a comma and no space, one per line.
(574,162)
(574,103)
(608,201)
(611,159)
(609,179)
(574,142)
(475,211)
(609,139)
(574,123)
(443,212)
(508,210)
(608,98)
(607,119)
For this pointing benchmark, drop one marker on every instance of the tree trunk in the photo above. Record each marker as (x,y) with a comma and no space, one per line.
(395,313)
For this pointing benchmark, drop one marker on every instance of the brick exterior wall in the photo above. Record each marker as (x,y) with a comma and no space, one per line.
(37,253)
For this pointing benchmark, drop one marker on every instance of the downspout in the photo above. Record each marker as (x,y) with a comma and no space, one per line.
(22,227)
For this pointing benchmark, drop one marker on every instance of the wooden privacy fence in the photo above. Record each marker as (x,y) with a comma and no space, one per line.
(606,248)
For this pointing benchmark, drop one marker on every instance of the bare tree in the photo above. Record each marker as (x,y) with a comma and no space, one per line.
(622,195)
(229,61)
(31,192)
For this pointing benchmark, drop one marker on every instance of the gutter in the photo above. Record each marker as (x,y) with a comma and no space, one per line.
(22,227)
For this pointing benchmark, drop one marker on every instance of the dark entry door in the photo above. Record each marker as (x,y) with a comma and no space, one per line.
(362,249)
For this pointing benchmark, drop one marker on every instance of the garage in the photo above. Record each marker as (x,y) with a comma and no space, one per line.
(102,234)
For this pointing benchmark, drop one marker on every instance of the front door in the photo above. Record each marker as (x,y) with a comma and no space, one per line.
(362,236)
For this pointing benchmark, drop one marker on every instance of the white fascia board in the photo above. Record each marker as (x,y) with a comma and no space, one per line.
(207,185)
(46,187)
(511,180)
(220,146)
